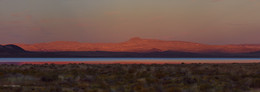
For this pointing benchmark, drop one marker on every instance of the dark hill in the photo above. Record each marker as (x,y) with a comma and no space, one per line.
(10,49)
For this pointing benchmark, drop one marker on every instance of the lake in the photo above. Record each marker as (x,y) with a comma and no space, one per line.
(126,60)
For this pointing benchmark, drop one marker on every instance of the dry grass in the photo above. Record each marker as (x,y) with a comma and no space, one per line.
(130,78)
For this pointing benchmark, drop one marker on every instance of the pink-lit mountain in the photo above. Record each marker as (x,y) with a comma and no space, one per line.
(139,45)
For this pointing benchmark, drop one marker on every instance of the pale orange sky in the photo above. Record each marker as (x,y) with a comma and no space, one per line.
(203,21)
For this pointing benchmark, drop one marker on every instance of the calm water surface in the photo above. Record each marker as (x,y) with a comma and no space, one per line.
(136,60)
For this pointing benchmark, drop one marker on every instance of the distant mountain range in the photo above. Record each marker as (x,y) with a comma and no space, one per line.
(135,47)
(140,45)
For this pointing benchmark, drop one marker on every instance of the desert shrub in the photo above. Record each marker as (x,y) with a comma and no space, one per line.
(255,83)
(49,77)
(173,89)
(205,87)
(131,78)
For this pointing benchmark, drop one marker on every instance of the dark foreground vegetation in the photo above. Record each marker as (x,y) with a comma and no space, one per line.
(130,78)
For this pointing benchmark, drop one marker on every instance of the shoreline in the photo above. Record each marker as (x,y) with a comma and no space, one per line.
(129,62)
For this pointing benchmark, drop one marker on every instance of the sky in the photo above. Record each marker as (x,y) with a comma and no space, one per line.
(105,21)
